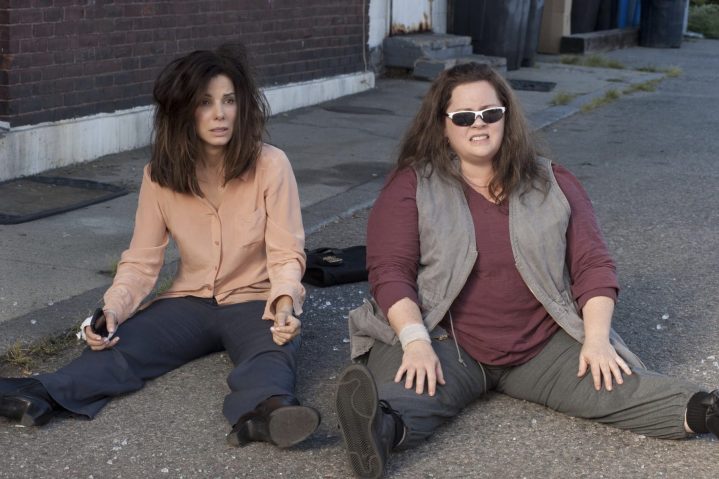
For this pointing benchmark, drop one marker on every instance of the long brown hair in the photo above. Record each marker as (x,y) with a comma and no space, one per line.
(176,149)
(425,147)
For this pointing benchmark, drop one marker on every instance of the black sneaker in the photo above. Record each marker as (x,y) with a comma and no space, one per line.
(712,418)
(369,432)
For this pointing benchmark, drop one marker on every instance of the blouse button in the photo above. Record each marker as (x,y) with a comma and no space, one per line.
(217,243)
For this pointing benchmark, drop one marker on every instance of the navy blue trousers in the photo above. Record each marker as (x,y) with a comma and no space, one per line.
(172,332)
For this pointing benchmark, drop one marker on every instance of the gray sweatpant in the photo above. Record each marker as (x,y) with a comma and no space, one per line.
(647,403)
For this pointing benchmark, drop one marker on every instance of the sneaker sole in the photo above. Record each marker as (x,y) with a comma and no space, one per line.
(357,405)
(290,425)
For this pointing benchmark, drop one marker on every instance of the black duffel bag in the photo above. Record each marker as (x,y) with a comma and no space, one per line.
(331,266)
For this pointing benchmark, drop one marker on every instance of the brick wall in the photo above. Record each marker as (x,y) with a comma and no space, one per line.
(70,58)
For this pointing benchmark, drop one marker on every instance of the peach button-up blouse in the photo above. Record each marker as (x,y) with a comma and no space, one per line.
(250,248)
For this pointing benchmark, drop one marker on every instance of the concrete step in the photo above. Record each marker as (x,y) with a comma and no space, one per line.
(600,41)
(402,51)
(430,68)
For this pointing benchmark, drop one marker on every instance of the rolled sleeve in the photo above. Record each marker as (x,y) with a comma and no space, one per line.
(592,269)
(140,264)
(393,241)
(284,235)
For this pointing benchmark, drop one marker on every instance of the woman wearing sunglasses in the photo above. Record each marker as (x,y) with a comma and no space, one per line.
(230,203)
(488,272)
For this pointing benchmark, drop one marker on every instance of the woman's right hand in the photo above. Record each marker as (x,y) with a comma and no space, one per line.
(420,364)
(97,342)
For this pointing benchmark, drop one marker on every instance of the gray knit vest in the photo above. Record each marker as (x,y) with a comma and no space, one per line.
(537,231)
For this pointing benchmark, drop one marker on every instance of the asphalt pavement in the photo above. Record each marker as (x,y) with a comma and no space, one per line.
(648,161)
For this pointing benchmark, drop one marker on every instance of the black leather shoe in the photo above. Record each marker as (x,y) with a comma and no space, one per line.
(279,420)
(370,427)
(712,418)
(26,400)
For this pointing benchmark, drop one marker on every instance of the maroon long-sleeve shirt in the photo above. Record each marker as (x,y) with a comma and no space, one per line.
(497,320)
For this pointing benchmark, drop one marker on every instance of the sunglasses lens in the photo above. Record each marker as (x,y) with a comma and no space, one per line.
(493,115)
(465,118)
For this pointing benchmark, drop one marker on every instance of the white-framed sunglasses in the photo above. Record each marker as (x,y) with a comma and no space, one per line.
(468,117)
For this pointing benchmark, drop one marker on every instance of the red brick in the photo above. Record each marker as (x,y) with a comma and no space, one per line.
(18,32)
(122,51)
(43,30)
(116,49)
(66,28)
(73,13)
(85,41)
(32,45)
(52,14)
(25,15)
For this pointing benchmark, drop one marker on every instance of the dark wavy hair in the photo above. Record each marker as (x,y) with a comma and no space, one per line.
(425,147)
(176,148)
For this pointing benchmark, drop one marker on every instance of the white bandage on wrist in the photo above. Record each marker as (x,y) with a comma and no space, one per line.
(413,332)
(81,334)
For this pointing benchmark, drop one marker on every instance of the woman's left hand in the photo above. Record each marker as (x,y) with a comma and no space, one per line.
(600,357)
(286,327)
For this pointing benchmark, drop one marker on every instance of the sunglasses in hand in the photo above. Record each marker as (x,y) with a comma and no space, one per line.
(468,117)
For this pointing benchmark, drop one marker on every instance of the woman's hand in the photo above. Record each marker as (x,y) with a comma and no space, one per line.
(420,364)
(598,354)
(97,342)
(286,326)
(600,357)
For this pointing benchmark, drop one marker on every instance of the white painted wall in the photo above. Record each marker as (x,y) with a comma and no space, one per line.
(439,16)
(27,150)
(381,11)
(378,22)
(408,15)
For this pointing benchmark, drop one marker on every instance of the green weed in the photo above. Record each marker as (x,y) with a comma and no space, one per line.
(668,71)
(26,356)
(562,98)
(605,99)
(595,60)
(649,85)
(704,19)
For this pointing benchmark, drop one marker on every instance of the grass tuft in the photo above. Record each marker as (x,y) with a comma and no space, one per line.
(605,99)
(26,356)
(562,98)
(649,86)
(595,60)
(671,72)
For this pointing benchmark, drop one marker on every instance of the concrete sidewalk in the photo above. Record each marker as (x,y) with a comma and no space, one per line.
(54,270)
(647,160)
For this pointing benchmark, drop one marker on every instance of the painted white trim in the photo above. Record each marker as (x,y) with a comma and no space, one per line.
(439,16)
(31,149)
(296,95)
(379,12)
(27,150)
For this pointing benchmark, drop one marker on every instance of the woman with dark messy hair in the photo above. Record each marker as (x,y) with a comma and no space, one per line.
(231,205)
(488,272)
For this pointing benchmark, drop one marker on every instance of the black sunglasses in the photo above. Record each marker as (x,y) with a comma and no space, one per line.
(468,117)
